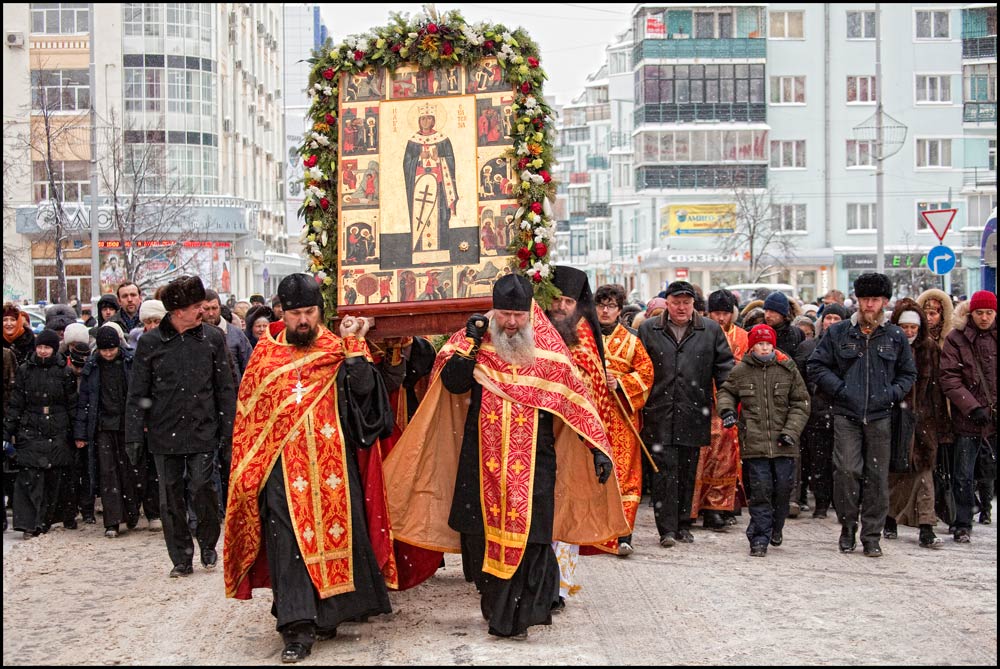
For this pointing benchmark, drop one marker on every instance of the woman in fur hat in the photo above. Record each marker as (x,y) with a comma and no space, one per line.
(938,312)
(911,495)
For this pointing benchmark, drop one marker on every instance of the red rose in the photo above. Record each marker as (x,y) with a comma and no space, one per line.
(532,61)
(538,122)
(541,249)
(523,264)
(447,49)
(324,203)
(359,55)
(432,28)
(522,163)
(396,48)
(488,45)
(310,161)
(328,73)
(536,207)
(537,277)
(329,119)
(524,254)
(526,87)
(545,175)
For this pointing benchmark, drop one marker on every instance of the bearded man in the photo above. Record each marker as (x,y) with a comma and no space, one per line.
(866,366)
(522,472)
(296,513)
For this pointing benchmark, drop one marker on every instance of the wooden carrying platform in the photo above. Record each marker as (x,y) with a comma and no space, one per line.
(430,317)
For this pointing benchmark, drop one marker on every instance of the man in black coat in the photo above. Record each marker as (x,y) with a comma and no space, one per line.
(689,353)
(866,366)
(183,398)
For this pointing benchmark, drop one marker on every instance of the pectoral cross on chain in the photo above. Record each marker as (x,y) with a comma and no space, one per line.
(299,390)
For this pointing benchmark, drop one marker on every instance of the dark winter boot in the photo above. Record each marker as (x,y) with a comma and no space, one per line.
(928,539)
(848,538)
(890,531)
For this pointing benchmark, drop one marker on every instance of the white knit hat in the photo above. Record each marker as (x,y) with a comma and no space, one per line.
(151,309)
(909,316)
(76,333)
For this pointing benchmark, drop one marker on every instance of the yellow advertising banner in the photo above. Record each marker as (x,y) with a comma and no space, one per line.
(697,219)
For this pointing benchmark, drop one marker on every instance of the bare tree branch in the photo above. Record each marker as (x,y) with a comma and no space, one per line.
(758,235)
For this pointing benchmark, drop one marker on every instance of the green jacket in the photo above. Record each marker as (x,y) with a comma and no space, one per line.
(774,401)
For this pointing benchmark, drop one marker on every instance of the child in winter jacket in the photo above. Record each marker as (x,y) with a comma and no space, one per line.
(774,404)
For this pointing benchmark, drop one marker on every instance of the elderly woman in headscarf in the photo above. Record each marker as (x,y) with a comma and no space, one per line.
(258,318)
(911,495)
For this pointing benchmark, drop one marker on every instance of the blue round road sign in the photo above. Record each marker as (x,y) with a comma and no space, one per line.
(941,259)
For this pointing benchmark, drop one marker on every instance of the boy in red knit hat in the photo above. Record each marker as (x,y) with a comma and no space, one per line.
(774,407)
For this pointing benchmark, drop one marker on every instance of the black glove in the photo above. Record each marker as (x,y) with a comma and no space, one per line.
(475,328)
(728,418)
(132,450)
(786,440)
(980,416)
(602,466)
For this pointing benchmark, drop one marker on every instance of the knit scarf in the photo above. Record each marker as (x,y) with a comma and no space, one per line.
(18,331)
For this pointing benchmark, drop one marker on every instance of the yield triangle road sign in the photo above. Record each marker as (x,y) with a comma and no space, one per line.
(939,221)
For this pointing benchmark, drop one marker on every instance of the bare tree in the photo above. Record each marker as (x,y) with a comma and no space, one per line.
(148,209)
(13,170)
(759,234)
(910,279)
(53,139)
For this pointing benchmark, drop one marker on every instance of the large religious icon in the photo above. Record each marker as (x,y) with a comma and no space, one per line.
(416,223)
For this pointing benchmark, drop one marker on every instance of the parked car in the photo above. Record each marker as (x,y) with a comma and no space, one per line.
(36,317)
(745,291)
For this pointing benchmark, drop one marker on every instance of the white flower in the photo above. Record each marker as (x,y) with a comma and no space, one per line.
(530,102)
(542,268)
(525,175)
(321,275)
(525,225)
(522,150)
(327,91)
(535,179)
(315,173)
(413,35)
(533,217)
(362,45)
(323,140)
(304,235)
(507,37)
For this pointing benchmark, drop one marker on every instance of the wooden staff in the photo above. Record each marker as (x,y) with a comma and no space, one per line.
(634,431)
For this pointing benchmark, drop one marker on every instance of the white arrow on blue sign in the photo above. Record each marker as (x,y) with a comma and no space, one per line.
(941,259)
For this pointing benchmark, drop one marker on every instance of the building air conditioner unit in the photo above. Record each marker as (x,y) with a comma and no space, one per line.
(277,93)
(261,27)
(253,109)
(227,125)
(232,34)
(15,39)
(239,64)
(260,89)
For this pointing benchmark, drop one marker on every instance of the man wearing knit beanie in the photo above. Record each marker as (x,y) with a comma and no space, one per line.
(866,365)
(969,380)
(778,314)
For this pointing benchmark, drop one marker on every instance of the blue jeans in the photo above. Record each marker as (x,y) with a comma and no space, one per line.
(769,483)
(963,475)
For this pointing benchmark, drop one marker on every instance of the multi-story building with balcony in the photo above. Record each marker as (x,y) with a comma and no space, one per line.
(193,91)
(771,108)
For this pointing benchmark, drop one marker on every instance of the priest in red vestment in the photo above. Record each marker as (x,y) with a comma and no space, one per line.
(295,518)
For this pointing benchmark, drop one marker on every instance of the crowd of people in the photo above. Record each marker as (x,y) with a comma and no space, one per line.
(339,466)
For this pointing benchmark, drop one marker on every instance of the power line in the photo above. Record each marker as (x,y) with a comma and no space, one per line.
(594,9)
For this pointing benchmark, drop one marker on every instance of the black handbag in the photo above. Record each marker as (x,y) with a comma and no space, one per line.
(944,496)
(904,423)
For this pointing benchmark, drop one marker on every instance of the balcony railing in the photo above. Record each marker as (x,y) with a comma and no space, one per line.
(577,219)
(701,176)
(979,47)
(597,162)
(699,48)
(579,178)
(621,140)
(603,209)
(701,111)
(980,112)
(979,177)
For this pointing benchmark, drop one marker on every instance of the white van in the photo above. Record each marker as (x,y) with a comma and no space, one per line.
(744,291)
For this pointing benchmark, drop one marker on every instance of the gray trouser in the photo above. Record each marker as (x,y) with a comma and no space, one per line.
(861,473)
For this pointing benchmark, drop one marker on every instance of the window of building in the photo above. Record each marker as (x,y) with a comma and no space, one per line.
(861,217)
(710,24)
(791,217)
(933,24)
(142,19)
(685,84)
(621,172)
(143,89)
(788,154)
(703,146)
(618,62)
(786,25)
(861,25)
(600,236)
(980,83)
(861,89)
(145,163)
(60,90)
(70,181)
(978,209)
(933,153)
(992,157)
(60,18)
(579,200)
(928,206)
(933,88)
(182,20)
(860,153)
(788,90)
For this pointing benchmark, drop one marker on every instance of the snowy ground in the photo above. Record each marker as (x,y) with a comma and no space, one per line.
(74,597)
